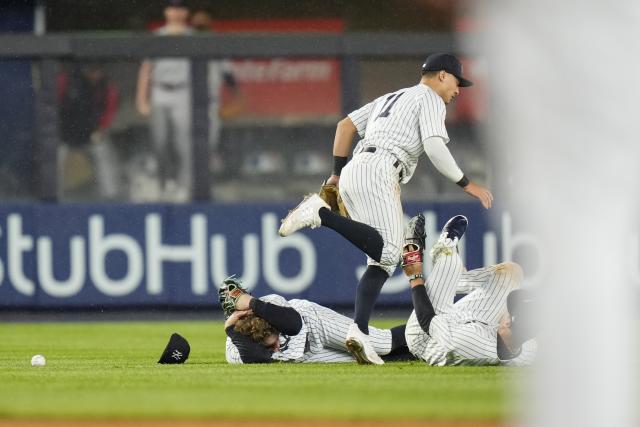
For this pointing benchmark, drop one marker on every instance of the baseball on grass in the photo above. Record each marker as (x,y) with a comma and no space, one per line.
(38,360)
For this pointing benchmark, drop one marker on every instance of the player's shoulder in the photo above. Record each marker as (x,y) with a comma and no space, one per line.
(428,97)
(275,299)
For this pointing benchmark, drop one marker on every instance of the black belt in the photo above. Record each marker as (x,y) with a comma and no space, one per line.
(395,164)
(171,86)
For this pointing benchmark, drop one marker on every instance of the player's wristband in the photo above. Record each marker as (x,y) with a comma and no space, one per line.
(338,163)
(416,276)
(464,181)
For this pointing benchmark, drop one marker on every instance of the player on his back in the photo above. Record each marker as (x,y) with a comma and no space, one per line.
(395,129)
(270,328)
(477,329)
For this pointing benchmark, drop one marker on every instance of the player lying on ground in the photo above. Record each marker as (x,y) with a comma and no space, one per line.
(477,329)
(396,129)
(270,328)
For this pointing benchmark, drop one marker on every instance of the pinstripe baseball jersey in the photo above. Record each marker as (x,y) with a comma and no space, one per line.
(321,339)
(400,122)
(465,333)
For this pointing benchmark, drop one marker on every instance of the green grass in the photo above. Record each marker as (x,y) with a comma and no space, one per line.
(109,370)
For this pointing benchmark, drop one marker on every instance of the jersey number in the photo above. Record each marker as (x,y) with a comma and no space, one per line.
(388,104)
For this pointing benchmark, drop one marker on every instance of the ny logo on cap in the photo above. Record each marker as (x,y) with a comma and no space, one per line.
(176,355)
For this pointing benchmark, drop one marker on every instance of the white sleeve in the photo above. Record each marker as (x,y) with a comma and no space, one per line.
(431,115)
(441,157)
(231,353)
(275,299)
(360,117)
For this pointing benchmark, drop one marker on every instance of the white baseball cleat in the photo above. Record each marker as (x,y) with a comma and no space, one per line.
(451,234)
(360,348)
(306,214)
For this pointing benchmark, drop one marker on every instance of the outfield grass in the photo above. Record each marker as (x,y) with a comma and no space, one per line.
(109,370)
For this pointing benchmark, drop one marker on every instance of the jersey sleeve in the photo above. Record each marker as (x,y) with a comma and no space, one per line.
(360,117)
(231,353)
(431,115)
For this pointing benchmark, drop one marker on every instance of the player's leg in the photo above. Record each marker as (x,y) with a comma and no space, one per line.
(371,194)
(332,328)
(447,269)
(368,189)
(182,138)
(487,303)
(159,130)
(105,167)
(327,355)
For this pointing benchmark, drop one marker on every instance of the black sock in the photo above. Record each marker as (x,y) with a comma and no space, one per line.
(367,294)
(397,337)
(399,350)
(363,236)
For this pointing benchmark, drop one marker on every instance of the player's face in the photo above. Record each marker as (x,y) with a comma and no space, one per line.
(176,15)
(450,88)
(272,342)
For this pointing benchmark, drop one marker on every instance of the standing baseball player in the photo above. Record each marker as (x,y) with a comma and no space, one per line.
(270,328)
(477,329)
(395,129)
(164,94)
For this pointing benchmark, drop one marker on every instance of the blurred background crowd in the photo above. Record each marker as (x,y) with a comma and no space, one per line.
(124,127)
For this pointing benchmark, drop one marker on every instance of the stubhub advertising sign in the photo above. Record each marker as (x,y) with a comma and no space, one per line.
(177,255)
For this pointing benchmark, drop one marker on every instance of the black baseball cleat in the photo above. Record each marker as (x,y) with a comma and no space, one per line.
(455,227)
(451,234)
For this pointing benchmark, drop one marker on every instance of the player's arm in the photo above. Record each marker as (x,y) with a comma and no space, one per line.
(412,256)
(342,143)
(354,124)
(285,319)
(236,104)
(144,88)
(441,157)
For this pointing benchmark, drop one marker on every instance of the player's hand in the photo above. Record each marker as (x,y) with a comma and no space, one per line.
(333,180)
(144,108)
(242,303)
(480,193)
(411,269)
(235,316)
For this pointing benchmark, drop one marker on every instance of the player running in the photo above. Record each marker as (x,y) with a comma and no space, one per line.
(479,329)
(270,328)
(395,129)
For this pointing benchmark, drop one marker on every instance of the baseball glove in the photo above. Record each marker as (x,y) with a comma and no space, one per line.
(330,194)
(229,293)
(414,240)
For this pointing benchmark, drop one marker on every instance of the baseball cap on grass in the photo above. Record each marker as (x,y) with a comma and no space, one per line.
(448,63)
(177,350)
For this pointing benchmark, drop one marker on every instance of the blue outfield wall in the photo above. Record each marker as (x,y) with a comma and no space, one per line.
(146,255)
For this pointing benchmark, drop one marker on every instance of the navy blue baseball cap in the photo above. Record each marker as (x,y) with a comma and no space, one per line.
(448,63)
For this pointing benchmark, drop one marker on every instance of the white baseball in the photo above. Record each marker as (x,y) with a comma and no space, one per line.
(38,360)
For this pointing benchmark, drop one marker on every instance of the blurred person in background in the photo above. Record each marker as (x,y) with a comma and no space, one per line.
(164,94)
(220,74)
(88,104)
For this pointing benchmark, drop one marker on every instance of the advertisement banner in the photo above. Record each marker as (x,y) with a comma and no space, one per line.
(177,255)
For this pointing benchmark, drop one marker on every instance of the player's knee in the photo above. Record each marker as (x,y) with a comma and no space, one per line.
(514,270)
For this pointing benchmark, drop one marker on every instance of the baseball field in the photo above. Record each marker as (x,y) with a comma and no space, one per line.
(108,371)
